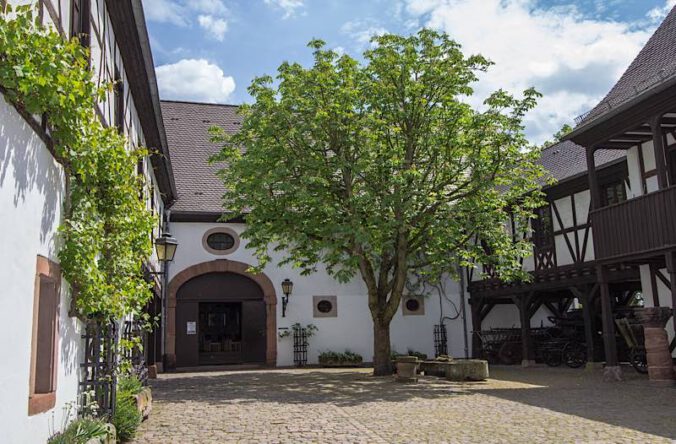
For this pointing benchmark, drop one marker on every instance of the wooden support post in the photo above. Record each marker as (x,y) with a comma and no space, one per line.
(476,327)
(660,157)
(671,268)
(612,371)
(587,298)
(527,356)
(593,180)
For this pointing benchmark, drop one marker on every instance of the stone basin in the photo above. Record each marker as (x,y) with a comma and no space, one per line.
(467,370)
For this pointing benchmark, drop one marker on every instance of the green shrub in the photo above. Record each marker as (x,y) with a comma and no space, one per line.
(129,384)
(419,355)
(127,417)
(330,357)
(80,431)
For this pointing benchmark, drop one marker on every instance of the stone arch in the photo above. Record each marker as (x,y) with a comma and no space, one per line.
(223,266)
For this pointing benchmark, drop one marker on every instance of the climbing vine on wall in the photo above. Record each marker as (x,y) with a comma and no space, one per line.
(106,227)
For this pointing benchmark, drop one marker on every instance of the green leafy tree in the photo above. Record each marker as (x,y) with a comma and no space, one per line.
(559,135)
(382,169)
(106,230)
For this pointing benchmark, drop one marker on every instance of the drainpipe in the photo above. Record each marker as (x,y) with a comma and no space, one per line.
(464,315)
(165,282)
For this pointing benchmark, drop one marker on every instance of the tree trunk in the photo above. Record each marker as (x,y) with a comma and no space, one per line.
(382,365)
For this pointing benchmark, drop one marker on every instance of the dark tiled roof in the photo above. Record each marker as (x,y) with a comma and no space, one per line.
(655,64)
(187,125)
(566,159)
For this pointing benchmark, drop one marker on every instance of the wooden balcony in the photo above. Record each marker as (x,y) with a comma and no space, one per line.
(637,228)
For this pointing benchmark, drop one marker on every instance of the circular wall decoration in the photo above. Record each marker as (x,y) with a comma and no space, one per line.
(324,306)
(220,241)
(412,305)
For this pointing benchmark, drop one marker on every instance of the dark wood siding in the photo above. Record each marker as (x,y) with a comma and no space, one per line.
(636,227)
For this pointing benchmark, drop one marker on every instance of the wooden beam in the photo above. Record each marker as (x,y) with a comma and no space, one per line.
(653,285)
(593,181)
(658,145)
(662,278)
(671,267)
(586,298)
(476,327)
(609,342)
(487,307)
(524,318)
(534,306)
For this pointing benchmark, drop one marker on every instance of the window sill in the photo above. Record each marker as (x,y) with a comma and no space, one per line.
(41,402)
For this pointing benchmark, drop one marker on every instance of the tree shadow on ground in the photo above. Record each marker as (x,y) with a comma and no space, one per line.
(634,403)
(343,389)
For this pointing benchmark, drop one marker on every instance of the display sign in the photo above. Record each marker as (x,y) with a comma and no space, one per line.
(191,328)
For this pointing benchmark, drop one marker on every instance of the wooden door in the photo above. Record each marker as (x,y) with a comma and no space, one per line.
(187,346)
(253,331)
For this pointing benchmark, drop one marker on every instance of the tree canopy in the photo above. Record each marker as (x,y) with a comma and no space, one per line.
(383,168)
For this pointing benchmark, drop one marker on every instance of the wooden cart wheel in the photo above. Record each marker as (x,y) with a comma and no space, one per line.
(510,353)
(575,355)
(553,358)
(638,360)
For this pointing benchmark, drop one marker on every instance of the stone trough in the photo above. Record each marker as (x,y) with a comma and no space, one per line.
(457,370)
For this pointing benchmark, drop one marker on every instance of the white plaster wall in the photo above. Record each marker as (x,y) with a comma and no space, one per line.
(31,191)
(502,316)
(352,329)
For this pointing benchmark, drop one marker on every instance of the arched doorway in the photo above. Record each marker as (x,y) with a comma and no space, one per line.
(218,313)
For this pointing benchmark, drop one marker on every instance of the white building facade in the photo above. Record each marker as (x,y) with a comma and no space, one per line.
(42,344)
(202,276)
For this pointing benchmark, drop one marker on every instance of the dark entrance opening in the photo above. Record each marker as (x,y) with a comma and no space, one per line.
(220,319)
(220,333)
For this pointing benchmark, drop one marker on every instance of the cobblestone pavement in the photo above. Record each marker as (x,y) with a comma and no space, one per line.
(334,406)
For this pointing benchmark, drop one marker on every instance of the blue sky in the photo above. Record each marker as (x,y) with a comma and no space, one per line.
(572,51)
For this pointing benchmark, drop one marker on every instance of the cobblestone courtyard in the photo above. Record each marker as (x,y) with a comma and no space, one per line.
(316,405)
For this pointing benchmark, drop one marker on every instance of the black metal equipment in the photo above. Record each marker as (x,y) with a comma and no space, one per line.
(99,378)
(440,340)
(300,343)
(132,333)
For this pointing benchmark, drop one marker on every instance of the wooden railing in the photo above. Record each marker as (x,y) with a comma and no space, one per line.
(635,228)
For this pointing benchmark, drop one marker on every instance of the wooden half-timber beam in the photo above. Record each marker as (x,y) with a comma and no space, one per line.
(671,268)
(660,157)
(475,308)
(586,297)
(612,372)
(593,179)
(523,301)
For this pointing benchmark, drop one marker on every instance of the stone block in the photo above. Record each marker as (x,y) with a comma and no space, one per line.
(144,402)
(467,370)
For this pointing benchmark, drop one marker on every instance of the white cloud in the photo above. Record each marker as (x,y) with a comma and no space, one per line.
(165,11)
(194,79)
(362,31)
(215,27)
(290,7)
(659,12)
(573,60)
(179,12)
(208,6)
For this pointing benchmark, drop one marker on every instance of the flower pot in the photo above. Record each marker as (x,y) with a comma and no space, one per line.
(407,369)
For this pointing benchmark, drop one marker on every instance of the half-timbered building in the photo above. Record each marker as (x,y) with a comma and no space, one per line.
(41,343)
(605,240)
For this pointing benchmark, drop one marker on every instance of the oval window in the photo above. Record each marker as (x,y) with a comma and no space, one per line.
(324,306)
(220,241)
(412,305)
